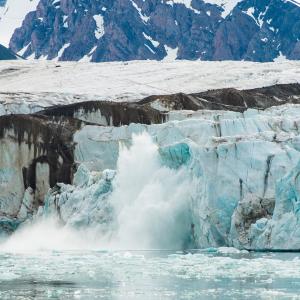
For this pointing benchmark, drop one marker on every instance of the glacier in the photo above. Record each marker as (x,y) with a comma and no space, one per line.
(202,179)
(153,174)
(128,81)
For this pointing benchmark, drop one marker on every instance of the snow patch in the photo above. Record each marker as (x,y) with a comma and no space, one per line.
(99,32)
(62,50)
(280,58)
(149,38)
(88,57)
(186,3)
(296,2)
(171,53)
(143,17)
(227,5)
(22,51)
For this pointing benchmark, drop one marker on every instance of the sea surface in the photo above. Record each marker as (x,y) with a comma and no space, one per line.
(222,273)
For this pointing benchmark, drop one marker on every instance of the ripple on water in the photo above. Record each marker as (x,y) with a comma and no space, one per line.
(220,274)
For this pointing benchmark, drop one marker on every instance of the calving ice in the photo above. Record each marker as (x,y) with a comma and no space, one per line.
(149,149)
(234,184)
(191,179)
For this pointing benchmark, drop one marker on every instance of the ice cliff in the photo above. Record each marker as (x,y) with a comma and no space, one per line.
(36,153)
(238,178)
(222,173)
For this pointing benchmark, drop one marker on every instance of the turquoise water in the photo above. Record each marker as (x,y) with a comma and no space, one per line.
(215,274)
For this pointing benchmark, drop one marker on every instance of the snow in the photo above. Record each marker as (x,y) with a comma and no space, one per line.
(227,5)
(88,57)
(149,38)
(280,58)
(65,21)
(61,51)
(186,3)
(259,21)
(22,51)
(99,32)
(143,17)
(12,16)
(296,2)
(250,12)
(68,82)
(171,53)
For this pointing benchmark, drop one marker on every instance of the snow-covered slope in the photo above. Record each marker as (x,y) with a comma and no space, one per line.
(28,86)
(11,17)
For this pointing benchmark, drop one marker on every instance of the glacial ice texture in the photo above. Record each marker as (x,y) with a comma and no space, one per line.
(202,179)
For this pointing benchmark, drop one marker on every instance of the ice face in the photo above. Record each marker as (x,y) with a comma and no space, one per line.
(11,178)
(212,179)
(144,205)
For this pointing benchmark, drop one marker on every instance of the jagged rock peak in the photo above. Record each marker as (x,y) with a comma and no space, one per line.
(101,30)
(7,54)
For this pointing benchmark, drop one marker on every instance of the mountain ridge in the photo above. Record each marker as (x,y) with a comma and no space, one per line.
(124,30)
(7,54)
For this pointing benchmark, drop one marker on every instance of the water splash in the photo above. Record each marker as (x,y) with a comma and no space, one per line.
(151,201)
(150,204)
(46,234)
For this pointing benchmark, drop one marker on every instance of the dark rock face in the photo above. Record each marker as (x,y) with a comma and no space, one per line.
(36,153)
(230,99)
(51,142)
(259,31)
(106,113)
(255,30)
(146,112)
(6,54)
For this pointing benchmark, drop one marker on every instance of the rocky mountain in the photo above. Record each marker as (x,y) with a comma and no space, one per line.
(119,30)
(6,54)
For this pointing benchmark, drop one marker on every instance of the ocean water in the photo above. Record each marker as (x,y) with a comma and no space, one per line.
(211,274)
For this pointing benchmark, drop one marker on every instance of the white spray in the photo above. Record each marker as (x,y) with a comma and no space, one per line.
(151,205)
(151,201)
